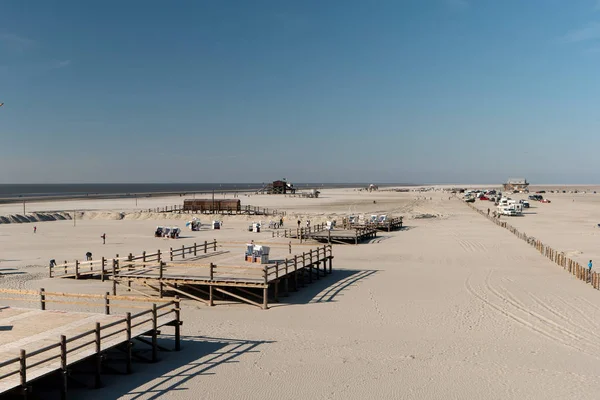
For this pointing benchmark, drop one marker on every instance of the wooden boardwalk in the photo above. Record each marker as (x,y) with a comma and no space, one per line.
(105,267)
(209,283)
(40,342)
(392,224)
(320,233)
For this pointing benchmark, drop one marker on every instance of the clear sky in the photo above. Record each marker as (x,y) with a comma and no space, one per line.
(429,91)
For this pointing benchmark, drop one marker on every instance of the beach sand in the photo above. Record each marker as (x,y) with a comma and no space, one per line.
(452,307)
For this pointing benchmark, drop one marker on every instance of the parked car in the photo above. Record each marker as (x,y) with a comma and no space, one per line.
(545,201)
(524,203)
(483,198)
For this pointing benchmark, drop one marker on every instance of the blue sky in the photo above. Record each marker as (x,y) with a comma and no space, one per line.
(315,91)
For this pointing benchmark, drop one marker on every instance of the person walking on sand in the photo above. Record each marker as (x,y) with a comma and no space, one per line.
(488,212)
(281,222)
(298,223)
(34,229)
(103,238)
(590,266)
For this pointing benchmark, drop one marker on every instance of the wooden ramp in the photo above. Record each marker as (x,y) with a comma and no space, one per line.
(37,342)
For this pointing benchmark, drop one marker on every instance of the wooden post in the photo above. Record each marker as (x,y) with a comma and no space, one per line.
(76,269)
(63,367)
(195,248)
(295,273)
(158,258)
(114,287)
(103,269)
(160,280)
(205,246)
(183,251)
(23,369)
(215,244)
(42,299)
(212,271)
(170,253)
(107,303)
(154,333)
(129,354)
(97,382)
(177,310)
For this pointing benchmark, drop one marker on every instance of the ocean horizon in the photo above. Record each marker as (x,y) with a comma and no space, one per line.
(15,190)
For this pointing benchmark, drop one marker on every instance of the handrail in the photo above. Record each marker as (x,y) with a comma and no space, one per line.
(23,366)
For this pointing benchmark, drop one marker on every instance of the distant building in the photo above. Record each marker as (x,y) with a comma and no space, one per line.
(280,187)
(518,184)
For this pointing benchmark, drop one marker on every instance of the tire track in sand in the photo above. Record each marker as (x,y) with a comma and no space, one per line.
(506,312)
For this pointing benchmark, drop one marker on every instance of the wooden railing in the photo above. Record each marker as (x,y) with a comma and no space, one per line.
(25,361)
(300,232)
(312,258)
(264,273)
(248,209)
(107,266)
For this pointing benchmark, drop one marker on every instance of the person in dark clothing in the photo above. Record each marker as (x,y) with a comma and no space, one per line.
(103,238)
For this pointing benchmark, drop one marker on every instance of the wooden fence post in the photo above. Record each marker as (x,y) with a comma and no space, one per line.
(107,303)
(128,354)
(97,382)
(76,269)
(42,298)
(154,333)
(215,244)
(177,310)
(170,253)
(195,248)
(23,369)
(160,280)
(63,367)
(205,246)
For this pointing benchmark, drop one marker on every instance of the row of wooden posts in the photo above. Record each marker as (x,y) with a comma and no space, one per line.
(581,272)
(66,346)
(289,268)
(101,267)
(178,208)
(301,233)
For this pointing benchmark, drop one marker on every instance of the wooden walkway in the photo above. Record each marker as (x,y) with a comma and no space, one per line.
(208,283)
(320,233)
(105,267)
(245,210)
(388,226)
(40,342)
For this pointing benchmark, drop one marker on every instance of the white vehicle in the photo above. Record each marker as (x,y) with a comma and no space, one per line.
(513,209)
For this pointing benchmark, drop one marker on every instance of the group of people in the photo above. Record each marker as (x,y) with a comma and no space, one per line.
(276,224)
(307,223)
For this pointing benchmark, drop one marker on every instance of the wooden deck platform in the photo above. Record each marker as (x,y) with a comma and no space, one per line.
(320,233)
(387,226)
(250,283)
(37,343)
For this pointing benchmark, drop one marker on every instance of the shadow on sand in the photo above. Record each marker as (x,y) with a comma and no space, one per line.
(327,289)
(199,357)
